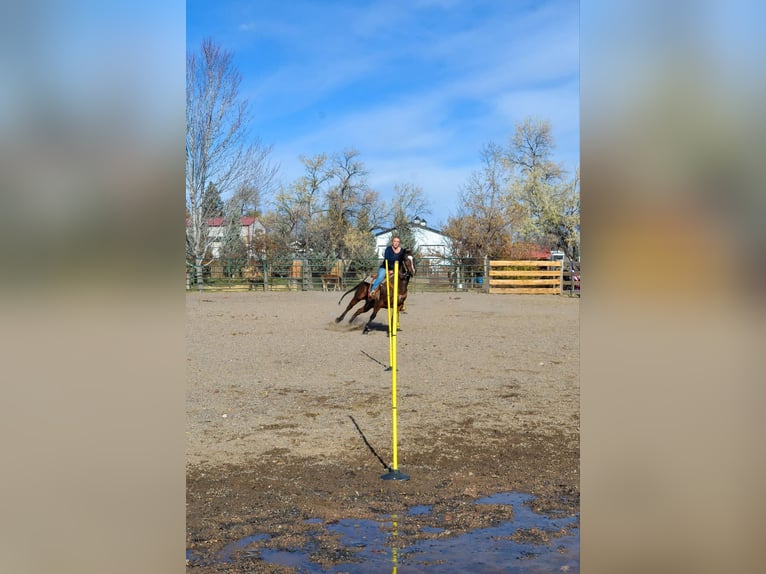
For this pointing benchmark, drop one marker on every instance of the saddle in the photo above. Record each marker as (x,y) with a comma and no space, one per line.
(371,278)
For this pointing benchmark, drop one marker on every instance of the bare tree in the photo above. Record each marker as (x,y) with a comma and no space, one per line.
(259,179)
(299,208)
(352,206)
(409,202)
(312,190)
(344,198)
(531,149)
(359,241)
(485,215)
(217,146)
(329,212)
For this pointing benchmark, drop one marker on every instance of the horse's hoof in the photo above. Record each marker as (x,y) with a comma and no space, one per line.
(337,319)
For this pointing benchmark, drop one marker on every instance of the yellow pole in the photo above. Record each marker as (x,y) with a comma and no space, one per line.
(394,473)
(388,311)
(394,310)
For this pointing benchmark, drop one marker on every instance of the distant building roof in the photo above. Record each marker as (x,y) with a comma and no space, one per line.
(221,221)
(416,224)
(529,251)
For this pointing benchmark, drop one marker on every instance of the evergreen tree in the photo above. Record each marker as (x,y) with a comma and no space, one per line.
(212,204)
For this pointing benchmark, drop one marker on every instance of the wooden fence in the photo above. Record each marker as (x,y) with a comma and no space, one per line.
(433,275)
(278,274)
(526,277)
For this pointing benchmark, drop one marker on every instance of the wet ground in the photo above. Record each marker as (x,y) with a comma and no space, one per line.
(303,516)
(279,479)
(524,542)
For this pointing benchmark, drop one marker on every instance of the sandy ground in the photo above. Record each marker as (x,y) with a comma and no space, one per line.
(488,402)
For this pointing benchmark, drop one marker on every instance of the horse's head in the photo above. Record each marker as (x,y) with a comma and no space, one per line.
(408,264)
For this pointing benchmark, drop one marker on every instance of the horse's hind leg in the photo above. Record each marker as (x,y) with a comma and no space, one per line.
(353,302)
(363,309)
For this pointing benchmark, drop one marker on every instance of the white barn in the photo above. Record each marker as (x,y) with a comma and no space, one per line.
(431,242)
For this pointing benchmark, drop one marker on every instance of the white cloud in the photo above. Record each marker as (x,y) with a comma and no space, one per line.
(416,102)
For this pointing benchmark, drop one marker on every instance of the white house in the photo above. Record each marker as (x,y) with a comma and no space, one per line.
(216,229)
(431,242)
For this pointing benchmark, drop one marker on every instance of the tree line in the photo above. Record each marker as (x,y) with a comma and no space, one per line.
(519,196)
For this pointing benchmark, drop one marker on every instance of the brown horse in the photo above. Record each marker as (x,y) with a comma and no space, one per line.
(362,293)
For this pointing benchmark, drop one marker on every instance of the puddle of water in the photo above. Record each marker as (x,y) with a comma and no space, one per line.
(227,552)
(284,558)
(367,534)
(367,544)
(420,509)
(489,550)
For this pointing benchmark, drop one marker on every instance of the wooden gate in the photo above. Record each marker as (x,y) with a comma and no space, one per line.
(525,277)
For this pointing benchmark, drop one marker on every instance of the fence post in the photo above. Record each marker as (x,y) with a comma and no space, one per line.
(306,271)
(561,279)
(486,273)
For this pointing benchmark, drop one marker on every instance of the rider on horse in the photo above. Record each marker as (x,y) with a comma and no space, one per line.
(393,253)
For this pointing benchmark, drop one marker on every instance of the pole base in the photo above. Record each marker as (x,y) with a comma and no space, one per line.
(395,475)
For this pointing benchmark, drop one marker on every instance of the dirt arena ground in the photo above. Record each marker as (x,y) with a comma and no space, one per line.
(488,402)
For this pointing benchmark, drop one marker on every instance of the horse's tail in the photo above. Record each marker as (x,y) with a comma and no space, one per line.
(349,291)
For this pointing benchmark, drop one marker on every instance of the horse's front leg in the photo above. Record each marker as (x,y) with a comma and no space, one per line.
(398,319)
(374,312)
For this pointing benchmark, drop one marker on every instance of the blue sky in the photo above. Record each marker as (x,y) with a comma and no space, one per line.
(417,87)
